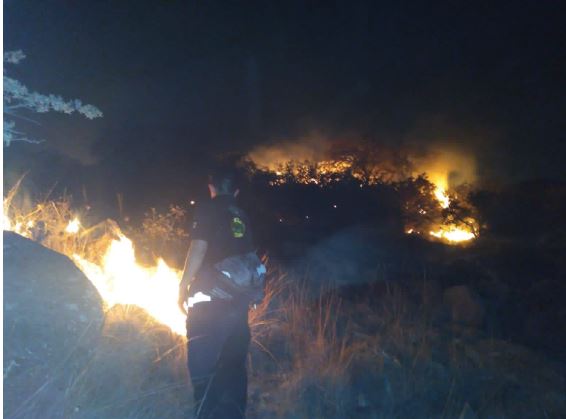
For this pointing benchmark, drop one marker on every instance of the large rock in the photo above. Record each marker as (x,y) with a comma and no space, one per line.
(52,321)
(464,306)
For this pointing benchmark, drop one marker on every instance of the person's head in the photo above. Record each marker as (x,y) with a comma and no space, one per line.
(223,181)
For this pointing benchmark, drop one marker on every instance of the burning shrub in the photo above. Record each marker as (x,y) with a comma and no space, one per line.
(53,223)
(428,210)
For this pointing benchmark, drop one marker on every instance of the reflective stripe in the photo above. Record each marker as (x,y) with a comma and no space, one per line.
(199,297)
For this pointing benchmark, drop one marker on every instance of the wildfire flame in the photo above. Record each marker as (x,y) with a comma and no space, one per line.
(323,172)
(121,280)
(453,234)
(441,197)
(73,226)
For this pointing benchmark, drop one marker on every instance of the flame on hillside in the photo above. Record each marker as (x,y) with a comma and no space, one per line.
(121,280)
(453,234)
(73,226)
(313,161)
(117,276)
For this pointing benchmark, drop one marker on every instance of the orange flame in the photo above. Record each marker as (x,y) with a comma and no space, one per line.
(440,168)
(73,226)
(121,280)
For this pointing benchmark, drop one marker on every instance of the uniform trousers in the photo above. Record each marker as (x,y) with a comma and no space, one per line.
(218,340)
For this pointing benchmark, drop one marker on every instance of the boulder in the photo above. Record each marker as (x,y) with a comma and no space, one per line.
(52,321)
(464,306)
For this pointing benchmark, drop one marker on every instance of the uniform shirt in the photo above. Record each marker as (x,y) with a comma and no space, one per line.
(224,226)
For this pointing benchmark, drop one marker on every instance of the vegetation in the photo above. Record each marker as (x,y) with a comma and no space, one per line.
(18,97)
(388,349)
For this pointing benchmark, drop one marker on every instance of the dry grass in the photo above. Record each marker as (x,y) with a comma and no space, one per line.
(334,358)
(300,349)
(47,222)
(137,371)
(312,356)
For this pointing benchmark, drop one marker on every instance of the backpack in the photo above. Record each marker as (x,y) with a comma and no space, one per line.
(242,276)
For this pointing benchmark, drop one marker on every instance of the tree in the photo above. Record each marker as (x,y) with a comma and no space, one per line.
(18,97)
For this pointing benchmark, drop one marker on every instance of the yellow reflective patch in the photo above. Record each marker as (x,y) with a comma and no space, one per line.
(238,228)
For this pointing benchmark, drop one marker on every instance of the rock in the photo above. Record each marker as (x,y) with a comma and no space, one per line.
(464,306)
(46,341)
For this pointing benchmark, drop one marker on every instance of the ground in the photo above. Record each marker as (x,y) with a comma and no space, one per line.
(415,347)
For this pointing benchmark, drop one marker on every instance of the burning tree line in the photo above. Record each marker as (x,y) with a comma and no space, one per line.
(429,208)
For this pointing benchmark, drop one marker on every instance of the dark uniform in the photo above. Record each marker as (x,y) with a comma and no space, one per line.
(217,331)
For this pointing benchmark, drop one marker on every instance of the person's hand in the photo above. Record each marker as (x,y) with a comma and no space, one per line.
(183,297)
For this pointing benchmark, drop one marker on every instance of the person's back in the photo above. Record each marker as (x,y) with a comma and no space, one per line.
(217,321)
(226,228)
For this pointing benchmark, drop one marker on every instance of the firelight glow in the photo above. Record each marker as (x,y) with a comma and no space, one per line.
(441,197)
(73,226)
(453,234)
(438,171)
(121,280)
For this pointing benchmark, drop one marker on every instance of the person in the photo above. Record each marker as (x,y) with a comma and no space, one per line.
(217,322)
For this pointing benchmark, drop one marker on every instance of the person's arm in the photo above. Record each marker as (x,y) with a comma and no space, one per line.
(195,257)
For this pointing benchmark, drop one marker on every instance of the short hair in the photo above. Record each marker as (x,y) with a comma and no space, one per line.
(224,179)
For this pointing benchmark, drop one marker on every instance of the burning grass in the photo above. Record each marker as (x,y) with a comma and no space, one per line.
(318,355)
(104,254)
(121,280)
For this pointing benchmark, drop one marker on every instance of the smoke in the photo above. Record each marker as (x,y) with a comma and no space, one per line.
(446,167)
(447,163)
(313,147)
(448,152)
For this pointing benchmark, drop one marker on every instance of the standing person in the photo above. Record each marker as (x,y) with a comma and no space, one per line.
(217,320)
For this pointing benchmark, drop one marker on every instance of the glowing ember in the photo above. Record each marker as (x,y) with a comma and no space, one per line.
(73,226)
(121,280)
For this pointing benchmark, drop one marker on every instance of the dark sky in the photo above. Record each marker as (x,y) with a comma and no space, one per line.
(180,80)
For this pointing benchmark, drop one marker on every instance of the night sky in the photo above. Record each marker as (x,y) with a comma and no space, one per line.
(182,81)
